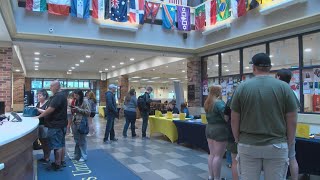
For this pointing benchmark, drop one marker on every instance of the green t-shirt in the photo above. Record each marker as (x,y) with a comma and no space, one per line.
(263,103)
(216,116)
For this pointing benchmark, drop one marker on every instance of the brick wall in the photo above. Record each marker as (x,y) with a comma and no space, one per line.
(124,84)
(103,85)
(194,78)
(5,76)
(28,84)
(18,86)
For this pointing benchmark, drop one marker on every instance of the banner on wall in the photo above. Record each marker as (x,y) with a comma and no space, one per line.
(200,17)
(183,16)
(119,10)
(238,8)
(211,12)
(223,10)
(136,11)
(168,16)
(59,7)
(205,91)
(36,5)
(151,9)
(80,9)
(100,9)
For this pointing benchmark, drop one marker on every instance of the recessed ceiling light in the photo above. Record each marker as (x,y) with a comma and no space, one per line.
(82,61)
(136,77)
(17,70)
(307,50)
(222,54)
(183,71)
(131,59)
(173,78)
(88,56)
(247,67)
(155,78)
(208,68)
(77,64)
(37,59)
(165,81)
(100,71)
(176,80)
(167,66)
(106,69)
(144,79)
(36,53)
(36,62)
(217,65)
(134,81)
(113,66)
(72,67)
(36,69)
(182,62)
(227,70)
(272,64)
(36,66)
(225,66)
(69,70)
(150,81)
(238,61)
(270,56)
(153,69)
(121,63)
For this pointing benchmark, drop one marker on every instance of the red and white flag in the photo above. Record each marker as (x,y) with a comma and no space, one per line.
(59,7)
(100,9)
(177,2)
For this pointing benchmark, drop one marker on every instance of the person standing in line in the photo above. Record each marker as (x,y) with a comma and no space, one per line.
(82,111)
(111,114)
(145,111)
(286,75)
(56,121)
(93,105)
(43,130)
(216,131)
(130,113)
(263,121)
(69,113)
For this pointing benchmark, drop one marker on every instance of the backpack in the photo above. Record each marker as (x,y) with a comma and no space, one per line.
(142,103)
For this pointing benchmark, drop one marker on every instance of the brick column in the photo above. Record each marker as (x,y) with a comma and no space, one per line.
(18,92)
(103,87)
(5,76)
(27,84)
(124,85)
(194,81)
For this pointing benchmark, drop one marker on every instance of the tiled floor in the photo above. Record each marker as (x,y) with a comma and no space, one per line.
(151,159)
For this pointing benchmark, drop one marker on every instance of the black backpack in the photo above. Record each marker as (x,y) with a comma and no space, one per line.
(142,103)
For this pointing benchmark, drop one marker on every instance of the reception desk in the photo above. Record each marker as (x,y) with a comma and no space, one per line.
(16,139)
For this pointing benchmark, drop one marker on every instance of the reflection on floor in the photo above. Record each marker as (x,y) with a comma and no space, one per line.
(151,159)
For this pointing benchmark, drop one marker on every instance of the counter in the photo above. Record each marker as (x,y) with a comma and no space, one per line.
(16,140)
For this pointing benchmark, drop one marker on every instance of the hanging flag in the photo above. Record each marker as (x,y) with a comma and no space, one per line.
(119,10)
(136,14)
(200,17)
(223,10)
(59,7)
(183,17)
(100,9)
(36,5)
(252,4)
(211,12)
(168,16)
(177,2)
(152,9)
(80,9)
(238,8)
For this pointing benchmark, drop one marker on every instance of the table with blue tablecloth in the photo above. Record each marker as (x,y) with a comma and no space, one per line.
(193,133)
(308,156)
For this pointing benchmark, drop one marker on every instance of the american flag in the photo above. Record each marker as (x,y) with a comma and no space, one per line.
(178,2)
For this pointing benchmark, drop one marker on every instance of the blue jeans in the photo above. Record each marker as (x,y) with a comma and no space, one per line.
(80,149)
(56,138)
(109,128)
(130,119)
(145,116)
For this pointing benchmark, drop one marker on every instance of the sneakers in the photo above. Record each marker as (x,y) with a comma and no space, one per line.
(54,167)
(115,139)
(107,142)
(81,160)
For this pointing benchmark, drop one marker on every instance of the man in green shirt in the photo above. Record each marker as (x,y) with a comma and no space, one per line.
(263,121)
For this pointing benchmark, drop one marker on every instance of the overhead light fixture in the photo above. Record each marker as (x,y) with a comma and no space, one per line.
(77,64)
(144,79)
(136,77)
(100,71)
(17,70)
(208,68)
(69,70)
(238,61)
(165,81)
(134,81)
(155,78)
(307,50)
(217,65)
(72,67)
(222,54)
(106,69)
(131,59)
(82,61)
(176,80)
(37,59)
(88,56)
(167,66)
(227,70)
(36,53)
(36,69)
(153,69)
(113,66)
(247,67)
(150,81)
(182,62)
(272,64)
(121,63)
(225,66)
(270,56)
(36,62)
(36,66)
(172,78)
(183,71)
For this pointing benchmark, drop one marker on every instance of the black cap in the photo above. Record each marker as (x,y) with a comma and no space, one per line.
(261,60)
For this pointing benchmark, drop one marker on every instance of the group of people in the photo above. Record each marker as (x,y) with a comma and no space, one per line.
(61,114)
(257,125)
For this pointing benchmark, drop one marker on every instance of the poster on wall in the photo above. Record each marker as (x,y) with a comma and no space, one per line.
(316,103)
(191,92)
(205,91)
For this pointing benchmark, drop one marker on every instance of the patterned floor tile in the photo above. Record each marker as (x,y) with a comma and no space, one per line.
(166,174)
(177,162)
(119,155)
(174,155)
(153,151)
(140,159)
(124,149)
(138,168)
(201,166)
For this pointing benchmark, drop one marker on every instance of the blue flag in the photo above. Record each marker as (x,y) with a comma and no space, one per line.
(80,9)
(119,10)
(168,16)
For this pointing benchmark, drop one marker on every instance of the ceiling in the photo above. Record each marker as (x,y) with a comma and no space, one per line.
(62,57)
(4,34)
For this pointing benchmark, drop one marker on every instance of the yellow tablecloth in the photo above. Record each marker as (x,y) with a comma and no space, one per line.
(101,111)
(164,126)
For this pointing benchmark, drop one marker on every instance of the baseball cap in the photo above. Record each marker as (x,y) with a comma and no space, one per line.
(112,86)
(261,60)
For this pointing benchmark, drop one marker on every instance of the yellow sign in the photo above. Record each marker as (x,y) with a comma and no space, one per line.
(158,113)
(169,115)
(204,119)
(303,130)
(182,116)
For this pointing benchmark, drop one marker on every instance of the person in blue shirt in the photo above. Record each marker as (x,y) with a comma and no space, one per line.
(184,109)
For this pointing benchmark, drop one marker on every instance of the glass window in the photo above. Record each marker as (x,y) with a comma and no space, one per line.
(311,53)
(230,63)
(284,54)
(70,84)
(46,84)
(86,84)
(248,53)
(80,84)
(212,66)
(76,84)
(228,87)
(36,84)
